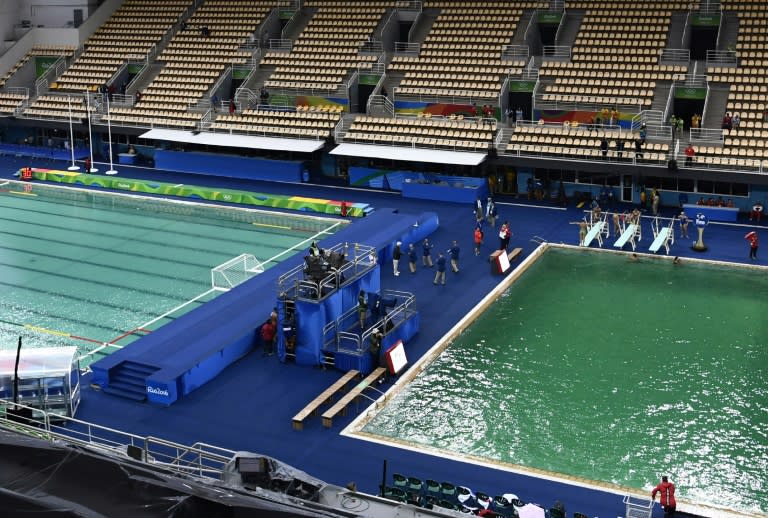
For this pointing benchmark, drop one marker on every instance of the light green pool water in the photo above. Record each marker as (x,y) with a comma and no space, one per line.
(97,266)
(619,372)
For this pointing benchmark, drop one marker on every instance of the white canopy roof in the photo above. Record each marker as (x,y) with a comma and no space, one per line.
(409,154)
(235,140)
(38,362)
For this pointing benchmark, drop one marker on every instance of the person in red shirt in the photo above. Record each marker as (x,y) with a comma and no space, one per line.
(268,332)
(478,240)
(689,154)
(667,490)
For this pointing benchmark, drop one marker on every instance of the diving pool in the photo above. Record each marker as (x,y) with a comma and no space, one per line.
(594,368)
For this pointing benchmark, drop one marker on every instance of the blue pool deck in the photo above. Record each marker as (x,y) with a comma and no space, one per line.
(249,406)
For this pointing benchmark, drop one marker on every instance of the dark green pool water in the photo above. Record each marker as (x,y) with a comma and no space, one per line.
(597,367)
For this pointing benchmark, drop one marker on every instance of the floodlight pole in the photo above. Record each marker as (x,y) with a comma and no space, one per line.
(111,170)
(90,135)
(74,166)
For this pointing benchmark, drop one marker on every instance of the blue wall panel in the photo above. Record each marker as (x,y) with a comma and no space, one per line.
(230,166)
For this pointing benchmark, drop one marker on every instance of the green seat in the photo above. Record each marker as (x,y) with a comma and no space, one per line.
(556,513)
(447,489)
(433,486)
(415,484)
(399,480)
(395,493)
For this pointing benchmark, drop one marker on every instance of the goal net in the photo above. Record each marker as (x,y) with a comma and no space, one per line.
(235,271)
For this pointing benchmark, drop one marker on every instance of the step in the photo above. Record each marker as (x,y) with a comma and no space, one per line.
(128,387)
(137,368)
(128,377)
(124,394)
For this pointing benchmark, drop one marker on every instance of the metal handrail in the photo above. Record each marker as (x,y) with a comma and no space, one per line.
(682,55)
(405,47)
(706,104)
(557,51)
(515,51)
(722,58)
(713,135)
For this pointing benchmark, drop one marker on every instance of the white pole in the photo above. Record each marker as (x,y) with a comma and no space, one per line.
(111,170)
(73,167)
(90,136)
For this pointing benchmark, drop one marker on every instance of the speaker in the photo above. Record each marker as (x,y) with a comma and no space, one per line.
(135,452)
(672,165)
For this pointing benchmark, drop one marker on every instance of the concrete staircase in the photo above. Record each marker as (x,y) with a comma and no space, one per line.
(570,28)
(716,105)
(677,30)
(661,95)
(519,37)
(423,25)
(729,31)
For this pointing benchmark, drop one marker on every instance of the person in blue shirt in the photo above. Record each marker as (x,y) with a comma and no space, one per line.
(440,273)
(454,253)
(426,253)
(412,258)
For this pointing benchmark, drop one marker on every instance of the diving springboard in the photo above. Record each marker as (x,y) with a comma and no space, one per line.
(661,239)
(594,232)
(628,234)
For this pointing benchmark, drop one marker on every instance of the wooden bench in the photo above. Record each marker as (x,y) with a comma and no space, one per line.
(341,404)
(514,254)
(326,395)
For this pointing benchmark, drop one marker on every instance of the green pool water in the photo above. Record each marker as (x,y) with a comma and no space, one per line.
(593,366)
(96,266)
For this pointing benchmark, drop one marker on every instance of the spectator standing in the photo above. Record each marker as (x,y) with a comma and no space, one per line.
(362,309)
(689,154)
(727,121)
(695,120)
(643,134)
(683,224)
(491,212)
(375,348)
(454,253)
(604,147)
(396,254)
(667,496)
(655,202)
(426,253)
(753,244)
(231,107)
(478,238)
(268,332)
(440,273)
(518,114)
(412,258)
(504,236)
(639,148)
(680,127)
(735,121)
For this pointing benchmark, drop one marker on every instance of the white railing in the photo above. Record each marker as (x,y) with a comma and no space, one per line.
(596,104)
(722,58)
(706,104)
(515,52)
(288,25)
(668,105)
(54,71)
(382,28)
(711,135)
(562,20)
(18,90)
(689,80)
(678,55)
(557,52)
(227,73)
(404,47)
(200,459)
(703,9)
(415,24)
(381,102)
(281,45)
(372,47)
(432,98)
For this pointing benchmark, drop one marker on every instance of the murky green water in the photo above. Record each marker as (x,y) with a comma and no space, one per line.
(98,266)
(614,371)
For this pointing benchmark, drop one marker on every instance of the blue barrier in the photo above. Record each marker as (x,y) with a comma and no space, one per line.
(712,213)
(230,166)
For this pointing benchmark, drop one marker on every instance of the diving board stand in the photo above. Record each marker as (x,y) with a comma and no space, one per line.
(663,236)
(632,233)
(597,230)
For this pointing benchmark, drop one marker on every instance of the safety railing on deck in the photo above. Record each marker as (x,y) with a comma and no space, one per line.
(199,459)
(54,70)
(297,283)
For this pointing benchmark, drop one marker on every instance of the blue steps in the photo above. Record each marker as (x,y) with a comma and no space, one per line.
(128,380)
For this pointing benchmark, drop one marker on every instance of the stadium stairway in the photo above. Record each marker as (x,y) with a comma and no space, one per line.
(129,380)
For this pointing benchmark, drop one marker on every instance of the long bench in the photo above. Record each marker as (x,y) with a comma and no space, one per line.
(341,404)
(326,395)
